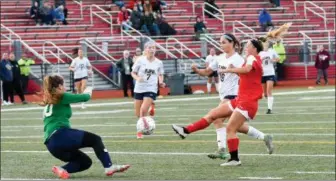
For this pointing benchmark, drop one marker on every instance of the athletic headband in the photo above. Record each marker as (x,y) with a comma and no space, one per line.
(227,37)
(257,45)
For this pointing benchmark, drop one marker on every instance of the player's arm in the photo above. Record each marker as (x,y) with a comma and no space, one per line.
(161,78)
(243,70)
(69,98)
(135,70)
(276,57)
(72,66)
(203,72)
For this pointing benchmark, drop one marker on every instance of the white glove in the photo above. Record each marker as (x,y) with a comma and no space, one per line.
(88,90)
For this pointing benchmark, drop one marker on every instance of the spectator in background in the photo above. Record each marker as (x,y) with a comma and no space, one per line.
(199,28)
(17,85)
(58,15)
(119,3)
(25,64)
(158,5)
(136,18)
(148,7)
(124,18)
(137,55)
(125,67)
(265,20)
(165,28)
(34,12)
(279,48)
(46,14)
(39,2)
(6,76)
(213,8)
(322,64)
(275,2)
(148,24)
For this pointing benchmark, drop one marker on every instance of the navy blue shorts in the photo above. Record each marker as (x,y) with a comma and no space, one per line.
(140,96)
(65,138)
(264,79)
(80,79)
(230,97)
(214,74)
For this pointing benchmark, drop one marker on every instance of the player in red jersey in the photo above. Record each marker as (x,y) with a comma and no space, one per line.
(241,109)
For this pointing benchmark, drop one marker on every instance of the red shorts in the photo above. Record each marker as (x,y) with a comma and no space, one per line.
(247,108)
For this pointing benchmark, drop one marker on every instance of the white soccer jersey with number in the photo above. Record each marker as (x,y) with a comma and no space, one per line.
(81,67)
(267,61)
(228,82)
(149,71)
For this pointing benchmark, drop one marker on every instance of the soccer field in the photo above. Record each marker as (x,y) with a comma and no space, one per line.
(303,126)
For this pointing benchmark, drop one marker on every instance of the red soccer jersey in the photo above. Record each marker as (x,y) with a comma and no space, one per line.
(250,88)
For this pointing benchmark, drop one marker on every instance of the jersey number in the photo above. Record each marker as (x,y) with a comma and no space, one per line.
(148,76)
(48,110)
(222,76)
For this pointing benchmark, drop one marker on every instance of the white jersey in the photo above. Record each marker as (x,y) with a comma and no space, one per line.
(81,67)
(210,59)
(267,61)
(149,71)
(228,82)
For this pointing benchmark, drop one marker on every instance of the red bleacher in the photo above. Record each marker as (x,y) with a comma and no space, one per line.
(180,15)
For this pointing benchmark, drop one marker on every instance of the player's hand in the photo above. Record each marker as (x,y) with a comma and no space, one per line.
(162,84)
(90,73)
(140,79)
(194,67)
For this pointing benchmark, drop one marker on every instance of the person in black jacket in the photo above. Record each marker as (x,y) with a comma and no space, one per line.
(6,76)
(16,79)
(125,67)
(34,12)
(199,28)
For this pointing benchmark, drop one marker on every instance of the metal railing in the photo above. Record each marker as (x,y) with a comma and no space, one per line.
(80,4)
(92,12)
(30,49)
(193,5)
(212,42)
(323,15)
(58,55)
(107,57)
(182,46)
(222,18)
(235,28)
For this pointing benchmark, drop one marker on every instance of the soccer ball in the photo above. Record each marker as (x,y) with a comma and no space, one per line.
(146,125)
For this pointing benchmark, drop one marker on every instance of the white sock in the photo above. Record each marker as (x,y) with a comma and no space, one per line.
(209,87)
(270,102)
(254,133)
(221,137)
(216,84)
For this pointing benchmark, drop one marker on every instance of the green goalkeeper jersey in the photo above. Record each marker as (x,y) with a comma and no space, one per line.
(56,116)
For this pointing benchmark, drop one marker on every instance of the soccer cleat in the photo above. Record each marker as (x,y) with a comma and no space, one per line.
(4,103)
(268,139)
(116,168)
(269,111)
(152,110)
(221,154)
(60,172)
(231,163)
(83,106)
(180,131)
(139,135)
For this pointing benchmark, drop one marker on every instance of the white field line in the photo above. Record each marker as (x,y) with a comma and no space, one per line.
(302,172)
(261,178)
(163,135)
(160,116)
(169,124)
(162,107)
(167,100)
(317,98)
(174,153)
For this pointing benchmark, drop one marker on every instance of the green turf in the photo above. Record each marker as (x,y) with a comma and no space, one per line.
(303,128)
